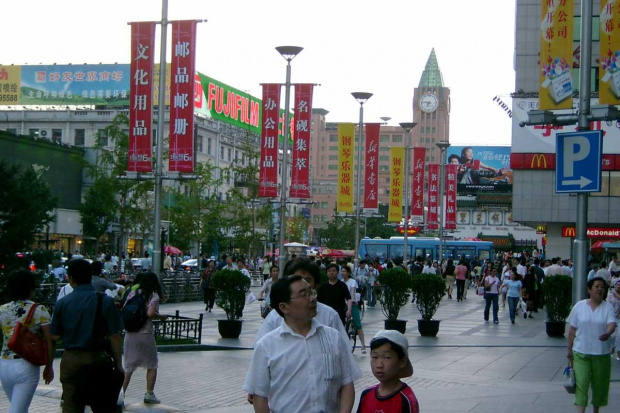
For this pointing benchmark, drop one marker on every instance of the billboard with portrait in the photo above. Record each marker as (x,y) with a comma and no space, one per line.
(481,168)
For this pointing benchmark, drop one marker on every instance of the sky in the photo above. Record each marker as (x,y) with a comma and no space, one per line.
(379,47)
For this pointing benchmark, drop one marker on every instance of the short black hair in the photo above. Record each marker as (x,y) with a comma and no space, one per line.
(591,283)
(346,268)
(331,266)
(96,267)
(281,292)
(20,283)
(454,156)
(302,264)
(274,266)
(375,343)
(80,270)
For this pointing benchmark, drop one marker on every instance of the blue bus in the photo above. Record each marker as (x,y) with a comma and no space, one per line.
(427,247)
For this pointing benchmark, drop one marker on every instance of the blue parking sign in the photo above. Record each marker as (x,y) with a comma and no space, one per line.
(578,163)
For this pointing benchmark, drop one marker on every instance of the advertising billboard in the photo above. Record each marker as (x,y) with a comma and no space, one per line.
(481,168)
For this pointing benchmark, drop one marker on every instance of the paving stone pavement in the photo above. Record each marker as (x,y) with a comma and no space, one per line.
(471,366)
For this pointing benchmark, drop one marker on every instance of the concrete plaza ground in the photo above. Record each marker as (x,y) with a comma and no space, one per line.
(471,366)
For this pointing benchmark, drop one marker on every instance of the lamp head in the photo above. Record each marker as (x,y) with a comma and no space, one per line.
(289,52)
(361,97)
(443,145)
(407,126)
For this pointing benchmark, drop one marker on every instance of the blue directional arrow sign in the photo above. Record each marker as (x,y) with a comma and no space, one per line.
(578,162)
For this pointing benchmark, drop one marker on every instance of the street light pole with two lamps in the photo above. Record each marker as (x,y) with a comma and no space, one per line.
(361,97)
(442,145)
(407,127)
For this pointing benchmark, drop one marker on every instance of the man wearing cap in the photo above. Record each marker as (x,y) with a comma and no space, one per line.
(390,363)
(301,366)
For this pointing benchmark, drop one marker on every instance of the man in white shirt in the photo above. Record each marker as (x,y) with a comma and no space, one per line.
(553,269)
(230,265)
(299,355)
(146,262)
(241,267)
(613,265)
(604,273)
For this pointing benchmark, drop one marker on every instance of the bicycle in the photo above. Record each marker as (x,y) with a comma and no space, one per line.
(351,332)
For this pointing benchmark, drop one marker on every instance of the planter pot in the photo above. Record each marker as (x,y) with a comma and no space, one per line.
(428,328)
(229,328)
(556,328)
(398,325)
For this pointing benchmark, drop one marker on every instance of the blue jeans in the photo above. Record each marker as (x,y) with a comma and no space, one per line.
(491,298)
(513,302)
(371,300)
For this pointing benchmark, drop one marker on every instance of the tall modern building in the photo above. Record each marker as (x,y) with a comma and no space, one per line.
(533,155)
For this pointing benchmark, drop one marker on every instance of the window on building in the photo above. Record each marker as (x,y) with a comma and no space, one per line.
(384,138)
(324,205)
(57,135)
(221,152)
(333,157)
(323,218)
(383,167)
(33,133)
(199,143)
(229,154)
(209,143)
(12,130)
(333,138)
(397,138)
(433,129)
(333,148)
(333,167)
(79,137)
(384,158)
(316,218)
(102,137)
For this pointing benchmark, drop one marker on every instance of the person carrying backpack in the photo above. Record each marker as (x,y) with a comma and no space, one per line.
(141,307)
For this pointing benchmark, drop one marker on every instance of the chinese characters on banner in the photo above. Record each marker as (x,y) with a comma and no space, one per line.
(397,174)
(182,96)
(451,171)
(371,170)
(433,196)
(346,132)
(300,174)
(268,175)
(609,61)
(141,93)
(417,185)
(555,89)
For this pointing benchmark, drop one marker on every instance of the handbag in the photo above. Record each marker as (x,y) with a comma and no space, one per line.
(569,379)
(481,291)
(27,344)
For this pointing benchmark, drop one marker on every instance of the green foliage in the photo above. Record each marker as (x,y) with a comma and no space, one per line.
(429,289)
(558,291)
(296,228)
(98,208)
(25,204)
(395,289)
(339,234)
(231,287)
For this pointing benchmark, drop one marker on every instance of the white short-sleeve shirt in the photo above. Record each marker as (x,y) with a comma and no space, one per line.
(301,374)
(590,325)
(324,315)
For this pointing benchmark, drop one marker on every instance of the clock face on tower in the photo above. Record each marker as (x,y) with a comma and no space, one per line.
(429,102)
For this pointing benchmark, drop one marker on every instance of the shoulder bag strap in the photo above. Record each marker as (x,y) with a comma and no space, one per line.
(98,334)
(30,314)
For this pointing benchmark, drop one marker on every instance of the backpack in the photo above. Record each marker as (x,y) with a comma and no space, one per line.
(134,313)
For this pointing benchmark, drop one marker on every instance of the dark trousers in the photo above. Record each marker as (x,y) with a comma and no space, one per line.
(209,297)
(491,299)
(460,287)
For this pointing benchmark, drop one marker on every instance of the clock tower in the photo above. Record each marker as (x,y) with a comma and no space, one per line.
(431,110)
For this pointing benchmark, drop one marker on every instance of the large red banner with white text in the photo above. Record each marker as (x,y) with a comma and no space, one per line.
(433,197)
(451,173)
(141,95)
(300,173)
(417,185)
(268,175)
(182,96)
(371,168)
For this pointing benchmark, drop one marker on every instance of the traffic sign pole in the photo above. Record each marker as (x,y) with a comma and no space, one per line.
(580,244)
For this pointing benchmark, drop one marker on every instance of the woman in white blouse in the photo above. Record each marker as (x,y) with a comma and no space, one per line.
(592,321)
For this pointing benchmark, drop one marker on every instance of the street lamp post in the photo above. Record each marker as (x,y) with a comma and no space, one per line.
(407,127)
(288,53)
(443,145)
(361,97)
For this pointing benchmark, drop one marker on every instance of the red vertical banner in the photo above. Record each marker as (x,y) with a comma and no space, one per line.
(141,97)
(433,196)
(417,185)
(182,96)
(268,174)
(300,173)
(371,168)
(451,172)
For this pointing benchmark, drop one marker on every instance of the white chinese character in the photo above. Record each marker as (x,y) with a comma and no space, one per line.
(139,129)
(301,145)
(181,49)
(180,126)
(270,104)
(141,77)
(269,142)
(303,106)
(142,52)
(139,102)
(181,76)
(180,100)
(270,123)
(268,162)
(302,125)
(300,164)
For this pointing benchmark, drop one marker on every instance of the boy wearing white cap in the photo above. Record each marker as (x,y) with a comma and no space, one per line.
(390,362)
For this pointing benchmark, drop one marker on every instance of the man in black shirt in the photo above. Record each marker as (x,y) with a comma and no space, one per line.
(335,293)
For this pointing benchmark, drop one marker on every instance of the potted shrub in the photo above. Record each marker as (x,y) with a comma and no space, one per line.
(429,289)
(395,289)
(558,292)
(231,288)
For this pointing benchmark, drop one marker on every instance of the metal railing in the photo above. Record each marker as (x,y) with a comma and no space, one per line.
(179,328)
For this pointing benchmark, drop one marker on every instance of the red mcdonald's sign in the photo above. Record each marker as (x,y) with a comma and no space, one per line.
(592,232)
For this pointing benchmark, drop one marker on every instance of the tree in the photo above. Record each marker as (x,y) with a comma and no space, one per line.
(296,228)
(98,210)
(340,233)
(25,206)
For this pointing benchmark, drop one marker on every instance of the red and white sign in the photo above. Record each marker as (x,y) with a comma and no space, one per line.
(612,233)
(433,197)
(371,170)
(268,175)
(182,96)
(451,172)
(417,185)
(300,174)
(141,95)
